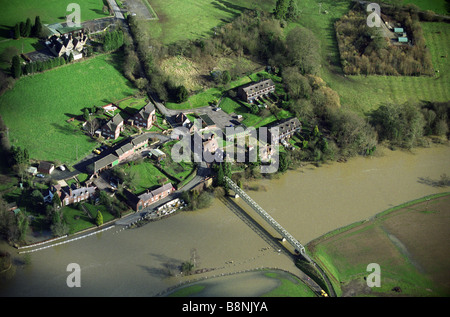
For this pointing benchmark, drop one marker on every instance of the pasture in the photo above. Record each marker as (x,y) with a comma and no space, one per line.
(364,93)
(180,20)
(357,93)
(409,242)
(37,109)
(50,11)
(437,6)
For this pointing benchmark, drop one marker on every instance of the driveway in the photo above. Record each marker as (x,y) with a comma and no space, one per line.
(117,13)
(139,8)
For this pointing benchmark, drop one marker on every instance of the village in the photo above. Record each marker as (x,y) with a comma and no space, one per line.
(146,136)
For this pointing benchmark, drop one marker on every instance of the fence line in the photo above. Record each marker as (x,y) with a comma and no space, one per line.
(43,242)
(70,240)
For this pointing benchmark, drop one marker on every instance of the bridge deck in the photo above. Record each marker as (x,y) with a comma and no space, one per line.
(285,234)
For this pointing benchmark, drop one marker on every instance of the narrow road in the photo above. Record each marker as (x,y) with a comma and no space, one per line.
(117,13)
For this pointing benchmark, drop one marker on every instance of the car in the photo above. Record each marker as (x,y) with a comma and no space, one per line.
(96,151)
(40,175)
(62,168)
(217,109)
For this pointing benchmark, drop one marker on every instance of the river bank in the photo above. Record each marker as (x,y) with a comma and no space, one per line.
(308,202)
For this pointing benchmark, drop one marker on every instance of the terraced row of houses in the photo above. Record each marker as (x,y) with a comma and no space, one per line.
(122,152)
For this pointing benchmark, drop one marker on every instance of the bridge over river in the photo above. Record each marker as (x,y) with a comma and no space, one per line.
(286,236)
(298,247)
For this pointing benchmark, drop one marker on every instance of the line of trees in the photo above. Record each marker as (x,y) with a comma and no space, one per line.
(113,40)
(18,70)
(27,29)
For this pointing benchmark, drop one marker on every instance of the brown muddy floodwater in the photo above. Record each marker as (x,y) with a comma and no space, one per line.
(308,203)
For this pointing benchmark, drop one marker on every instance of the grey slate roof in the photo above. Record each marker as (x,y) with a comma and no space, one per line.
(258,86)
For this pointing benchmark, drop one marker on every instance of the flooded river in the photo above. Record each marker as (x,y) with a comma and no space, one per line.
(308,203)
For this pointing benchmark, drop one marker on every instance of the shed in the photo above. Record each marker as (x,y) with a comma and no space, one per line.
(32,170)
(46,167)
(157,154)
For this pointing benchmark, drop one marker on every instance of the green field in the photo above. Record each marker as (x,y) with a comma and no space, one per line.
(37,108)
(144,176)
(406,241)
(180,20)
(358,93)
(289,286)
(362,93)
(437,6)
(50,11)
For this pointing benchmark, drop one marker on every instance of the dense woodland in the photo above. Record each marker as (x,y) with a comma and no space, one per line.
(367,51)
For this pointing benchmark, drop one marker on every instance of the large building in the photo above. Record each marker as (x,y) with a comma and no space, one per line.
(144,200)
(286,128)
(253,91)
(66,44)
(123,151)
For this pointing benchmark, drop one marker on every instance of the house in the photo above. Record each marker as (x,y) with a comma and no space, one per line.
(113,127)
(145,117)
(140,142)
(149,197)
(210,144)
(286,128)
(253,91)
(72,42)
(122,152)
(45,167)
(125,150)
(69,195)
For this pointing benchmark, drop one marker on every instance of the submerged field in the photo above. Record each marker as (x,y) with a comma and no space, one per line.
(37,108)
(409,242)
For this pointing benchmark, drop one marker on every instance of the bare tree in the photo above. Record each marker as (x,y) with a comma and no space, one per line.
(91,125)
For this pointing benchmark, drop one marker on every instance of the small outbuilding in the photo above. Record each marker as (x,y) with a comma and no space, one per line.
(45,167)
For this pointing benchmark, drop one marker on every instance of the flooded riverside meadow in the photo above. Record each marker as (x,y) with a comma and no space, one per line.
(308,202)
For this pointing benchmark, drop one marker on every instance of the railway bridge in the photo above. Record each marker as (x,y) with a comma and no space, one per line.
(298,247)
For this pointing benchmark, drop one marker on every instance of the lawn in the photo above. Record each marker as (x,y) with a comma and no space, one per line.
(37,108)
(50,11)
(178,170)
(180,20)
(406,241)
(76,219)
(144,176)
